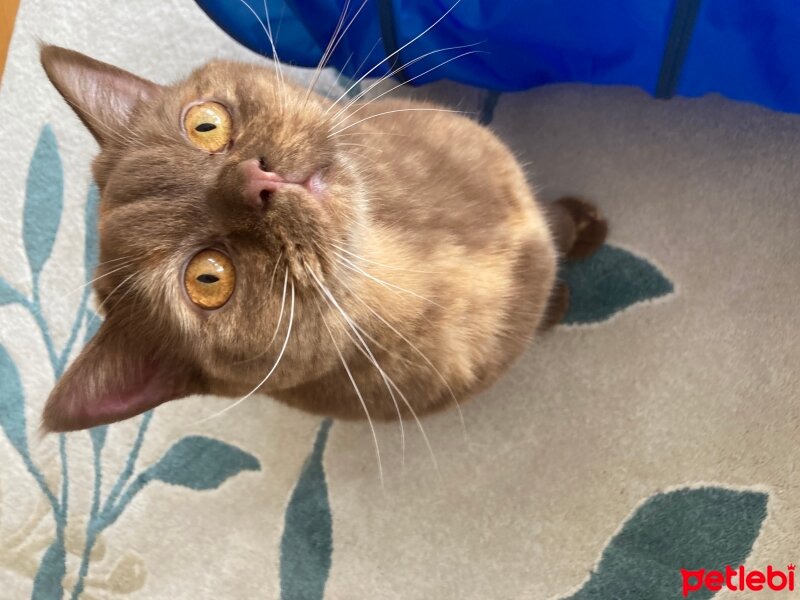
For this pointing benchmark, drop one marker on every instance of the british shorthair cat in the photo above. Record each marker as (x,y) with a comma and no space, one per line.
(375,260)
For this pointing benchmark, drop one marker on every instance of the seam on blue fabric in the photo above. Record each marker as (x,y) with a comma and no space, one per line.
(489,104)
(389,38)
(680,34)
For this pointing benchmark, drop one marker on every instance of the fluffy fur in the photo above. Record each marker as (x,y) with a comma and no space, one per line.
(405,250)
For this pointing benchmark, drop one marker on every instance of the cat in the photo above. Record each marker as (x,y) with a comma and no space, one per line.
(375,260)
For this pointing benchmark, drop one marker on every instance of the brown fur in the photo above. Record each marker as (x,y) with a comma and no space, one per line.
(430,203)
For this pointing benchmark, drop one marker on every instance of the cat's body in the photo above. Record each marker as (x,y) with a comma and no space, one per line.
(449,217)
(389,259)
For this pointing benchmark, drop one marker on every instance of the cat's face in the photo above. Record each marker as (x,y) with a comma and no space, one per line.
(220,199)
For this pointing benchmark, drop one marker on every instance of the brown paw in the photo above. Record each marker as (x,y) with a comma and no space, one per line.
(557,306)
(590,230)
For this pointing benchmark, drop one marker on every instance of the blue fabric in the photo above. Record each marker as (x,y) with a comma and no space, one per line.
(743,49)
(747,51)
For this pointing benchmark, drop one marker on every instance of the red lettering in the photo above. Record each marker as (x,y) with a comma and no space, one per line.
(714,581)
(755,581)
(772,574)
(729,575)
(688,585)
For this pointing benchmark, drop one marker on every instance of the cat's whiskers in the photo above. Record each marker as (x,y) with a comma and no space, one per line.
(391,112)
(110,260)
(393,54)
(274,271)
(362,259)
(111,272)
(120,299)
(107,298)
(335,82)
(324,56)
(353,267)
(355,73)
(362,105)
(358,393)
(340,116)
(275,56)
(268,31)
(277,326)
(271,371)
(332,45)
(376,343)
(422,355)
(364,348)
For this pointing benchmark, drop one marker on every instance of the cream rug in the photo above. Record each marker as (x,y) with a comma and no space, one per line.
(656,432)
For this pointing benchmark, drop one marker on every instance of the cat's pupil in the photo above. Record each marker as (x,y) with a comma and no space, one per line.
(206,278)
(203,127)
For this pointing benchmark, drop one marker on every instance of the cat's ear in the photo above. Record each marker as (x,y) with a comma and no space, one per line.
(102,95)
(116,377)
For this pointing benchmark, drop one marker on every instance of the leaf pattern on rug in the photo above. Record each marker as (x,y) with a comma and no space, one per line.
(194,462)
(690,528)
(610,280)
(307,542)
(44,201)
(200,463)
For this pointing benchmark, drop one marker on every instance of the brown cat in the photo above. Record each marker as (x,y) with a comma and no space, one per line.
(380,261)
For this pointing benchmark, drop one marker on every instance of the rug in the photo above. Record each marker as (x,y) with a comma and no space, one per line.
(644,450)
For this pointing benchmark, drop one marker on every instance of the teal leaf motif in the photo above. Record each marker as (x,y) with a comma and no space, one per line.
(706,528)
(200,463)
(47,585)
(609,281)
(8,294)
(44,201)
(90,247)
(12,404)
(98,437)
(93,322)
(307,542)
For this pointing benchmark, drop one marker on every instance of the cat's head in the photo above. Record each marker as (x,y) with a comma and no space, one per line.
(222,197)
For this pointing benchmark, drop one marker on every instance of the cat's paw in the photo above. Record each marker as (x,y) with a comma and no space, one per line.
(590,227)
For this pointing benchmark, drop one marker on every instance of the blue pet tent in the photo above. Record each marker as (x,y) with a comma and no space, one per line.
(743,49)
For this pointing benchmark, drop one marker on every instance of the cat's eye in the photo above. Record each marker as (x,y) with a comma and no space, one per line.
(208,126)
(209,279)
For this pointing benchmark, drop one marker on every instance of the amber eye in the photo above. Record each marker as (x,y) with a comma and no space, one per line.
(208,126)
(209,279)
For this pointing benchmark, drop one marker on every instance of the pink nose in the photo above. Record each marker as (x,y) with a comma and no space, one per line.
(259,184)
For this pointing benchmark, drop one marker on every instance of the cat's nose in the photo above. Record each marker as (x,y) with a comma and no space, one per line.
(259,183)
